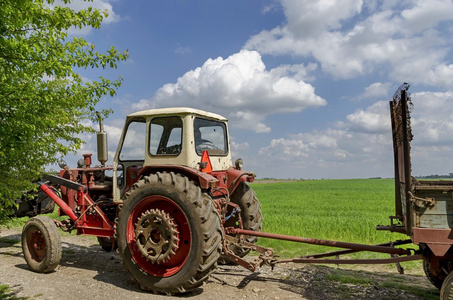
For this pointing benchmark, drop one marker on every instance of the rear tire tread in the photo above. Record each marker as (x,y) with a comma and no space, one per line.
(210,230)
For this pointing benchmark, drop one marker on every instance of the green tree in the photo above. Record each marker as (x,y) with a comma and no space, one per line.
(43,98)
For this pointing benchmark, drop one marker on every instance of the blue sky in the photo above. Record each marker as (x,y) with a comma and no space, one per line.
(305,84)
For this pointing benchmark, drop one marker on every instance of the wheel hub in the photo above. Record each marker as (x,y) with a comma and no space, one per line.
(156,236)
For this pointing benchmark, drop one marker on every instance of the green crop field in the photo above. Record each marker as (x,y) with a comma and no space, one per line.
(340,210)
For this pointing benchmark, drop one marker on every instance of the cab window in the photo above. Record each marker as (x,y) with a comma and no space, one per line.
(210,136)
(165,136)
(133,148)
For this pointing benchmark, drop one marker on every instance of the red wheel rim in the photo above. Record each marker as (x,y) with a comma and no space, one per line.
(36,244)
(176,261)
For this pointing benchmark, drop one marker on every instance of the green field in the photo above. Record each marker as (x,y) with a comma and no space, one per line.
(341,210)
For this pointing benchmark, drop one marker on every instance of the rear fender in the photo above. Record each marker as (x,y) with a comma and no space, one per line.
(231,178)
(205,180)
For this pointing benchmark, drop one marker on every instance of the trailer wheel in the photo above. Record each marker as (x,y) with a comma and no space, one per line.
(436,280)
(41,244)
(251,216)
(168,234)
(446,292)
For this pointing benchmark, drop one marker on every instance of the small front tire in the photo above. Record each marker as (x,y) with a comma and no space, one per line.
(41,244)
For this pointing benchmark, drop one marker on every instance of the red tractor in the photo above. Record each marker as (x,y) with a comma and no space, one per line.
(174,207)
(164,204)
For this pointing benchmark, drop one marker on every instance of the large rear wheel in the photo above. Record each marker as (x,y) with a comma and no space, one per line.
(168,234)
(41,244)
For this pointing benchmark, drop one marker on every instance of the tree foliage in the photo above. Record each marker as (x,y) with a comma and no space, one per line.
(43,99)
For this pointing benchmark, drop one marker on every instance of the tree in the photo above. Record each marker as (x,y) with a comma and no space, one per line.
(43,99)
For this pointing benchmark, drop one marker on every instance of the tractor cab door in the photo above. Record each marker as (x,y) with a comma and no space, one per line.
(400,108)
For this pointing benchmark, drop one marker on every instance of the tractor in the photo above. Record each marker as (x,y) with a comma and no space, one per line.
(174,207)
(164,204)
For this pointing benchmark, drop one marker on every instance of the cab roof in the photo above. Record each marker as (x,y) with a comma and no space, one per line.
(176,111)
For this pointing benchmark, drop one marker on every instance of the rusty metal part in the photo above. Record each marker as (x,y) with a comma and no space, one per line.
(343,252)
(352,246)
(65,225)
(156,236)
(400,108)
(245,244)
(438,239)
(266,257)
(353,261)
(429,201)
(250,177)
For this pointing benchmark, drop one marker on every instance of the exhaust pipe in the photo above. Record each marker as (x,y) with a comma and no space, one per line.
(102,142)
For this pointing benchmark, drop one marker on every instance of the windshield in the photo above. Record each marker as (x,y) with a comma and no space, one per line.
(210,136)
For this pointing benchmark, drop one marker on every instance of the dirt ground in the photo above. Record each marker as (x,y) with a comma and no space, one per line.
(88,272)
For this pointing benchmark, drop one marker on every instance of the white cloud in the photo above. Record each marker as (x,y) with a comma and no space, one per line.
(377,89)
(409,40)
(432,118)
(427,14)
(90,145)
(183,50)
(238,148)
(309,19)
(102,5)
(270,8)
(330,153)
(375,119)
(363,144)
(240,88)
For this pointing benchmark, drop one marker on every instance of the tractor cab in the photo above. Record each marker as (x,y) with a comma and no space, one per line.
(169,138)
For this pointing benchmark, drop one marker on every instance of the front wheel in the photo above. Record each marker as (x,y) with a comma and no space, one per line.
(107,244)
(168,234)
(41,244)
(250,216)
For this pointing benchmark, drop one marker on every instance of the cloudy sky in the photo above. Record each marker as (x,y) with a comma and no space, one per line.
(305,84)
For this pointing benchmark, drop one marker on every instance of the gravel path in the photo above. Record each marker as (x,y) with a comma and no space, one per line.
(88,272)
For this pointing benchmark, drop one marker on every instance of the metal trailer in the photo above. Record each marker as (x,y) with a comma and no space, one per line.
(424,208)
(172,223)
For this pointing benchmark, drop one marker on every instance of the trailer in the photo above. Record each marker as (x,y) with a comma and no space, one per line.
(423,208)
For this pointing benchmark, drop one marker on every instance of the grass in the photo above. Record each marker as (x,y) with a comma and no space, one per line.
(376,280)
(6,293)
(20,222)
(343,276)
(340,210)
